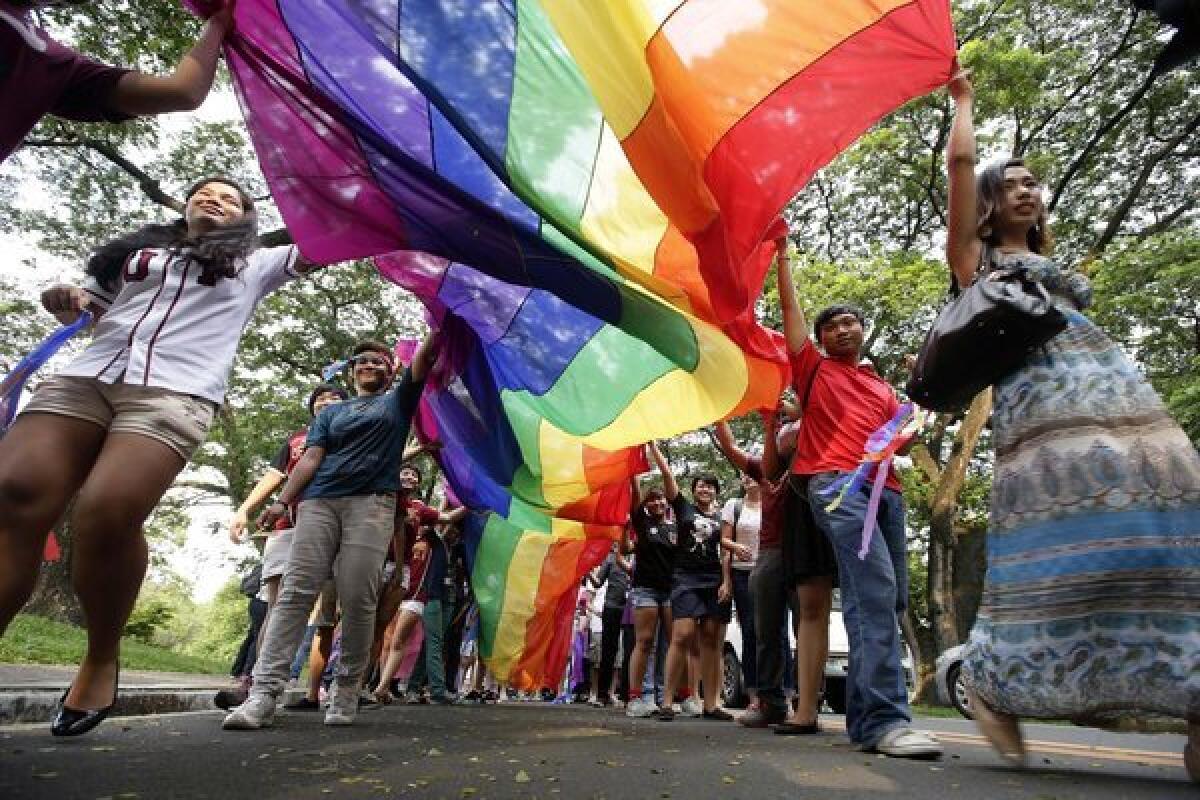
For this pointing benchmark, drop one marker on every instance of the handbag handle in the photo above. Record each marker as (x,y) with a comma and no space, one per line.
(984,260)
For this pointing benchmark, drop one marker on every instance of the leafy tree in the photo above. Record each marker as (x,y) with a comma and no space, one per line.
(1064,83)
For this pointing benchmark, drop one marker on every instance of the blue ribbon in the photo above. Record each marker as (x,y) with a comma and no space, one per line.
(14,383)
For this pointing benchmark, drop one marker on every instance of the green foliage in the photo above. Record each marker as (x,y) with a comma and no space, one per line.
(899,294)
(1148,299)
(25,324)
(220,625)
(147,618)
(36,640)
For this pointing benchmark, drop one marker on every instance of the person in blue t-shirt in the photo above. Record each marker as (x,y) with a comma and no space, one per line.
(346,485)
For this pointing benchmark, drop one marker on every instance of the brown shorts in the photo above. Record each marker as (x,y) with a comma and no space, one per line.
(180,421)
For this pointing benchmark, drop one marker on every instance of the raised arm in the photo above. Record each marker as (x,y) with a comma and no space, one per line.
(773,465)
(185,88)
(962,238)
(736,455)
(425,356)
(795,326)
(635,494)
(670,487)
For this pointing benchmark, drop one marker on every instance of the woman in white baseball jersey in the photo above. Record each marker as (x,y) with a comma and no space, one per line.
(113,429)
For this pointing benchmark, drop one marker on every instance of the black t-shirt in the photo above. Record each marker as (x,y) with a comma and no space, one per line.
(698,548)
(654,552)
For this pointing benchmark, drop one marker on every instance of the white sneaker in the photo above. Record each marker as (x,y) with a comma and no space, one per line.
(907,743)
(641,707)
(257,712)
(692,707)
(343,706)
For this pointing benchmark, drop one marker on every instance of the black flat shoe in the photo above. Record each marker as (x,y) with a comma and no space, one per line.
(73,722)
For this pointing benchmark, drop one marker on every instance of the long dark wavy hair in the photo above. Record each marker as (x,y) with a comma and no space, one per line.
(219,252)
(990,190)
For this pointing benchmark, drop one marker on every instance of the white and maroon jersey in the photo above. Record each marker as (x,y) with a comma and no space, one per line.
(166,328)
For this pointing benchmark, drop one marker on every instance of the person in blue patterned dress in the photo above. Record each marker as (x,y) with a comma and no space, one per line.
(1091,604)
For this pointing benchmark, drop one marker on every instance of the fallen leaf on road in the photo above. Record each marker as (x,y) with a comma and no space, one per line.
(433,751)
(468,791)
(728,779)
(522,776)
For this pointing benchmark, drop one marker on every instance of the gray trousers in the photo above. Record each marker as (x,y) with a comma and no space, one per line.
(772,599)
(345,536)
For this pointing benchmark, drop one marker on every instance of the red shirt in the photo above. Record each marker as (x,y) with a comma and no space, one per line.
(40,76)
(846,404)
(774,503)
(284,462)
(425,515)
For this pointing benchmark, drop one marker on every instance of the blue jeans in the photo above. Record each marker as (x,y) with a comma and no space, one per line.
(652,684)
(874,592)
(743,603)
(439,613)
(302,653)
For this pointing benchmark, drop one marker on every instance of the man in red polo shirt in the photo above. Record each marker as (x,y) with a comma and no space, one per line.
(847,401)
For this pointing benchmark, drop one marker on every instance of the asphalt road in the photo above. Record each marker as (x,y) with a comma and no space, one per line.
(534,750)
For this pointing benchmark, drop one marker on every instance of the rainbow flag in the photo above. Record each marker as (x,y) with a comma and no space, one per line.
(585,195)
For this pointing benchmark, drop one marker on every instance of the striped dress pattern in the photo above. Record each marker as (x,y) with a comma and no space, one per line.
(1091,605)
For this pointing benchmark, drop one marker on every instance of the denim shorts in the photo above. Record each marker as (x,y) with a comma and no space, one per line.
(644,597)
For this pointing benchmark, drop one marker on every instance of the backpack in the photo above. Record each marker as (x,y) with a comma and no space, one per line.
(252,581)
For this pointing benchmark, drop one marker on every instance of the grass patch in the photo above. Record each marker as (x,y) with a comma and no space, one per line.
(37,640)
(941,712)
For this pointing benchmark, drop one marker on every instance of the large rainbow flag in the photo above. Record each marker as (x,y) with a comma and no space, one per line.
(585,195)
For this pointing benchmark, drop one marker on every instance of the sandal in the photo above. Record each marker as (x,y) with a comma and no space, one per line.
(383,696)
(788,728)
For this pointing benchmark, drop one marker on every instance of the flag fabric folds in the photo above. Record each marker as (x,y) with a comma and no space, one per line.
(585,195)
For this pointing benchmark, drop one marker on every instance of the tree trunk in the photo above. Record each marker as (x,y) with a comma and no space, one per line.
(970,565)
(53,596)
(920,644)
(954,566)
(943,610)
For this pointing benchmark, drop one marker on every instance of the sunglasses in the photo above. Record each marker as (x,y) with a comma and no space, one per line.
(371,361)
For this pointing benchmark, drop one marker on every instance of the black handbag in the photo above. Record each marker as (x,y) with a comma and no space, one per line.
(982,335)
